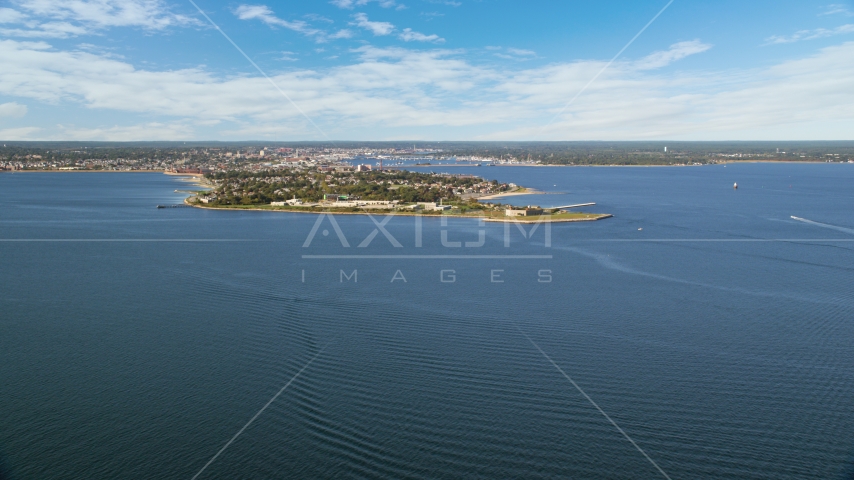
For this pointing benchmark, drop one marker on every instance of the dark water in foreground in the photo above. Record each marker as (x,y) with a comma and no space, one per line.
(720,359)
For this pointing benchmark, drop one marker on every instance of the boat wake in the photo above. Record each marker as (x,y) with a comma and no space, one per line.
(824,225)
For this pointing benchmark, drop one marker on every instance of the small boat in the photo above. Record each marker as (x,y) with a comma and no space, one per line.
(735,186)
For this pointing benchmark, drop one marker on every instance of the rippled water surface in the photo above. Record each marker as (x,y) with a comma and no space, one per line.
(142,347)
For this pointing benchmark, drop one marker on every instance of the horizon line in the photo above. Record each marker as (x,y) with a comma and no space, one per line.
(430,141)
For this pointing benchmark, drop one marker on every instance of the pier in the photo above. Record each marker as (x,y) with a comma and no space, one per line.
(575,206)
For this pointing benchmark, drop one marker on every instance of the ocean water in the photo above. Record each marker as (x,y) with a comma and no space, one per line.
(716,331)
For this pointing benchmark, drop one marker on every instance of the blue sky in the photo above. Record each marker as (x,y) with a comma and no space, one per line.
(426,69)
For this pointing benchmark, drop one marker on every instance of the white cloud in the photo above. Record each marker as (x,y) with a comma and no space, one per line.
(522,53)
(68,18)
(809,35)
(676,52)
(8,15)
(151,14)
(318,18)
(409,36)
(46,30)
(430,16)
(270,130)
(343,33)
(12,109)
(807,98)
(384,86)
(836,9)
(116,133)
(377,28)
(264,14)
(387,90)
(19,133)
(105,51)
(351,4)
(517,54)
(451,3)
(122,133)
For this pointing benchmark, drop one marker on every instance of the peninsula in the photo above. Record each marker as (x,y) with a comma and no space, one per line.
(347,190)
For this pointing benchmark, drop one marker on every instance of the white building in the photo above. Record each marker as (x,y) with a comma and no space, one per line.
(430,206)
(525,212)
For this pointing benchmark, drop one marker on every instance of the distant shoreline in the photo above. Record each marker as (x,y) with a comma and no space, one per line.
(395,167)
(95,171)
(798,162)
